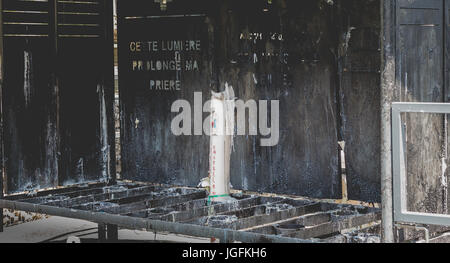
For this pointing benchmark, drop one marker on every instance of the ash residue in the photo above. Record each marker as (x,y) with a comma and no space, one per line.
(234,205)
(225,200)
(114,189)
(219,221)
(364,238)
(348,211)
(47,199)
(273,208)
(169,192)
(360,238)
(102,205)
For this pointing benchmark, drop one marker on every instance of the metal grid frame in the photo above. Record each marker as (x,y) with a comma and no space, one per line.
(401,213)
(185,211)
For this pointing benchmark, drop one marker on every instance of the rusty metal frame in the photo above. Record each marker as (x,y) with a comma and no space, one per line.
(401,213)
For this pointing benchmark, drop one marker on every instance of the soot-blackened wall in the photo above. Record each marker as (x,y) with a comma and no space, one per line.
(320,59)
(57,93)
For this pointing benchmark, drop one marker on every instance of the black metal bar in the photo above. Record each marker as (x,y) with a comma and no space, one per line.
(53,38)
(334,227)
(45,199)
(1,114)
(58,191)
(53,23)
(120,21)
(152,202)
(193,213)
(104,197)
(310,220)
(151,225)
(277,216)
(112,233)
(102,232)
